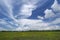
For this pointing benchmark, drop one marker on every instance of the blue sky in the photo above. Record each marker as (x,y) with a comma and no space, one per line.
(23,15)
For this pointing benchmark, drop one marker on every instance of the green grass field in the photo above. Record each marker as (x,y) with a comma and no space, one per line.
(29,35)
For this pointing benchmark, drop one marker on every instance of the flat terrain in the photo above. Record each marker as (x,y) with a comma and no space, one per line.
(29,35)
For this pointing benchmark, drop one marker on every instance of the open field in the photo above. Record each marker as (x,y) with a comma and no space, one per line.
(29,35)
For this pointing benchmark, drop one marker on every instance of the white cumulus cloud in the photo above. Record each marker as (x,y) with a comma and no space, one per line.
(29,24)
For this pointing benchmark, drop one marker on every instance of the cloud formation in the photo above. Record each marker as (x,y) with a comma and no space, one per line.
(24,24)
(40,24)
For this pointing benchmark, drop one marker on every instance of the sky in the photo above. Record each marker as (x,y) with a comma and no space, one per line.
(24,15)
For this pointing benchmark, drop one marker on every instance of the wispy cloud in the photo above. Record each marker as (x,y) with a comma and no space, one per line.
(40,24)
(25,24)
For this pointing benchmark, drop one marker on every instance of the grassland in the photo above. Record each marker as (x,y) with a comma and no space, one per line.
(30,35)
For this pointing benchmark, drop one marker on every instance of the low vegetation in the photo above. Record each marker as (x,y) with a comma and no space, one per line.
(30,35)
